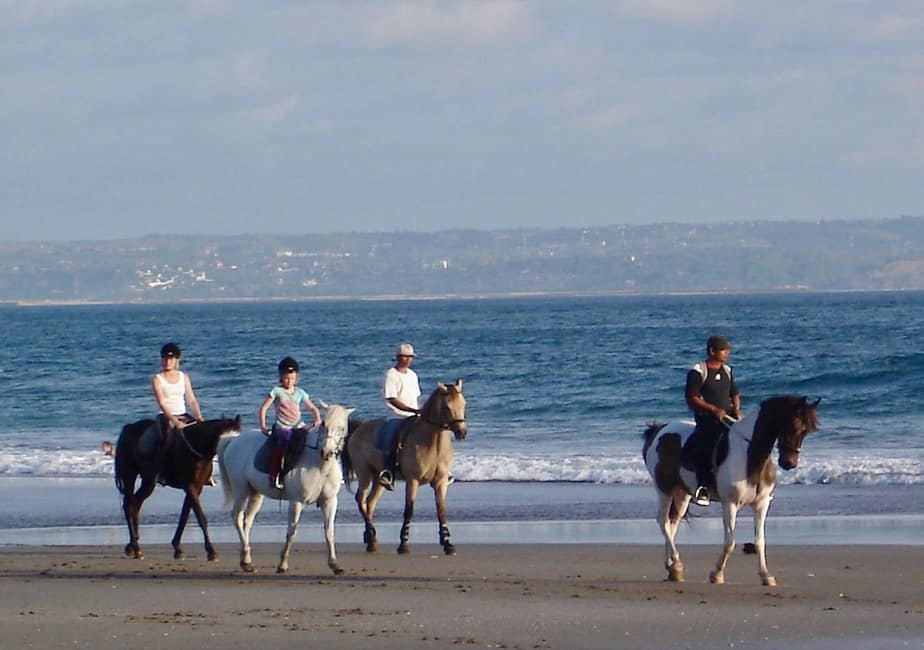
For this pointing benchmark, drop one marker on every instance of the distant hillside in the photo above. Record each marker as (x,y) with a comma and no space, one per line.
(668,257)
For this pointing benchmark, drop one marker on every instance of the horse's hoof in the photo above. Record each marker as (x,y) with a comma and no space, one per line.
(403,549)
(213,557)
(372,548)
(178,555)
(337,570)
(769,581)
(449,549)
(248,568)
(675,576)
(717,578)
(280,569)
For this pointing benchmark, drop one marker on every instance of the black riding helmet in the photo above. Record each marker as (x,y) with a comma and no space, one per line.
(288,365)
(170,350)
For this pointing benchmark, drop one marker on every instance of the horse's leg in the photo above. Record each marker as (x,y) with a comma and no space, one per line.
(761,508)
(295,513)
(367,496)
(193,496)
(132,507)
(729,518)
(242,514)
(439,492)
(410,495)
(180,527)
(328,506)
(668,526)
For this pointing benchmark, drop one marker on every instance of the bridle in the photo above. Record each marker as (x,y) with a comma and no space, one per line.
(446,419)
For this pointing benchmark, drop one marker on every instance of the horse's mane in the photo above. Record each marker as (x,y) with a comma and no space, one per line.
(788,405)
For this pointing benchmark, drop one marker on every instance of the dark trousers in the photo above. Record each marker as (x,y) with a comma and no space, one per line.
(701,445)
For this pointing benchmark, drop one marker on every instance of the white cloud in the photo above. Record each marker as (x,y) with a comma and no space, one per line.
(685,11)
(608,118)
(274,112)
(423,22)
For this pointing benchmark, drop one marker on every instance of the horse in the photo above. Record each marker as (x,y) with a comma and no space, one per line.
(314,477)
(425,456)
(744,474)
(188,467)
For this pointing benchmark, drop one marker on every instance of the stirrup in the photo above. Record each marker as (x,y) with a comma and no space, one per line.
(386,480)
(701,496)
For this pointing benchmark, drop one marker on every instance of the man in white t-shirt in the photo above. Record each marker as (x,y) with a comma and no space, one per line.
(402,397)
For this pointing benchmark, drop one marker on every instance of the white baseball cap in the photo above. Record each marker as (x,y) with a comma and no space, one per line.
(404,350)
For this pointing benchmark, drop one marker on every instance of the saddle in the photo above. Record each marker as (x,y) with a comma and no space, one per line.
(264,456)
(707,447)
(390,434)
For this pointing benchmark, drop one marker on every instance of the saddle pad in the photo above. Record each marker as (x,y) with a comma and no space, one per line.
(300,439)
(149,441)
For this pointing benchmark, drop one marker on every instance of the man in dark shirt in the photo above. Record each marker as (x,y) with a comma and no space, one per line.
(713,397)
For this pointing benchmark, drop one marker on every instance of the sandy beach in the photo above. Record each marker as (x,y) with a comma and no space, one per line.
(500,596)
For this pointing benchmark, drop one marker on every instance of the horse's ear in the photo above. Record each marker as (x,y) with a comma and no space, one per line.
(817,402)
(349,411)
(323,404)
(442,387)
(237,421)
(459,384)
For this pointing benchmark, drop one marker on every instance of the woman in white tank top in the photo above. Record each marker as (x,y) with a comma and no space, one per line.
(173,390)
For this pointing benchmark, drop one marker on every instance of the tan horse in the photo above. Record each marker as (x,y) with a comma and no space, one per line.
(424,458)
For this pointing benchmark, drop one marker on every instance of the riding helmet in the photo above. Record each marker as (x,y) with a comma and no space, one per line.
(288,365)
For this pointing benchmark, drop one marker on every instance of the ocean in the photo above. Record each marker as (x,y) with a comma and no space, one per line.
(559,389)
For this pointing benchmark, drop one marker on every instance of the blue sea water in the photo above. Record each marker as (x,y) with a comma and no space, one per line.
(559,389)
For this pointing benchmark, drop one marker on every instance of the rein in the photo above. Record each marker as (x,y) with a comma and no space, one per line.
(189,445)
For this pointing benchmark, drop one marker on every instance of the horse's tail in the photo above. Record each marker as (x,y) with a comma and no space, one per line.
(651,431)
(223,469)
(346,462)
(119,458)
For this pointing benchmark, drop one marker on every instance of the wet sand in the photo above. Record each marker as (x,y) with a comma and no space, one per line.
(497,595)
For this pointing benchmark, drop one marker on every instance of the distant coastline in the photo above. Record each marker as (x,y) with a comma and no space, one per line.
(434,297)
(659,259)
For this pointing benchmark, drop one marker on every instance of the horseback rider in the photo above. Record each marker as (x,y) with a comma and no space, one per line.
(289,399)
(713,396)
(174,394)
(402,396)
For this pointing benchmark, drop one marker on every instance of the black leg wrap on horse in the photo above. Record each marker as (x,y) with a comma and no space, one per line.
(405,533)
(369,535)
(444,535)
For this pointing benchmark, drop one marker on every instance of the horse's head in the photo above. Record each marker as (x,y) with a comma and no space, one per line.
(797,419)
(446,409)
(333,431)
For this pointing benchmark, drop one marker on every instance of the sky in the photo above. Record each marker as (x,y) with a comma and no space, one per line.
(121,119)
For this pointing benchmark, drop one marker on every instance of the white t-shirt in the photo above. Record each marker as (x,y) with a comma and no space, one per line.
(405,387)
(174,394)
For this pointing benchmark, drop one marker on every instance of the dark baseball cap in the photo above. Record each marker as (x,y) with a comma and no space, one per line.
(718,342)
(170,350)
(288,365)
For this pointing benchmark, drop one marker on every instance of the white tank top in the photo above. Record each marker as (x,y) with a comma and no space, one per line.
(174,394)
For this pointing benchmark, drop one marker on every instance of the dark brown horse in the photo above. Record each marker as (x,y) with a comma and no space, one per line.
(187,466)
(425,458)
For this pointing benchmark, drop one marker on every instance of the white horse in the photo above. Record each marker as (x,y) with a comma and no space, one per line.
(744,474)
(315,477)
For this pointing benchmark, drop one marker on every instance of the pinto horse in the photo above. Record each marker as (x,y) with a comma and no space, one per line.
(425,457)
(315,477)
(744,473)
(188,467)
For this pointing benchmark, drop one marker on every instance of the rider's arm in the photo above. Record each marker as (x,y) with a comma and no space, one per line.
(264,407)
(314,411)
(191,402)
(401,406)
